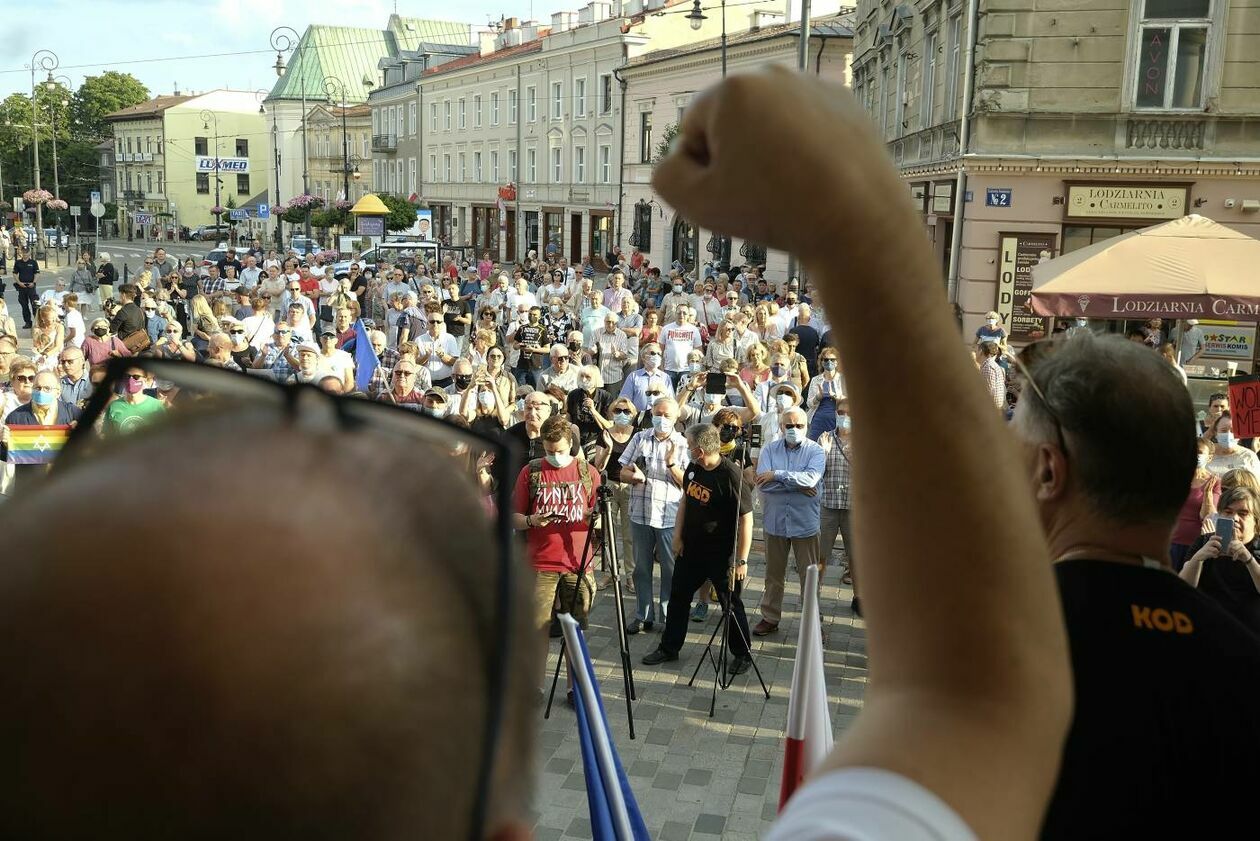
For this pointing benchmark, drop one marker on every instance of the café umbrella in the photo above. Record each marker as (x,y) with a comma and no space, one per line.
(1190,267)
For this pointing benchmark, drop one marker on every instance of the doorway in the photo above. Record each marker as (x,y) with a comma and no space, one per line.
(575,239)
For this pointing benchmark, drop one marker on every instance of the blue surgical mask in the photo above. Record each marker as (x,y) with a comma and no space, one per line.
(843,423)
(43,398)
(734,398)
(1226,440)
(778,370)
(793,436)
(661,423)
(560,460)
(783,401)
(829,364)
(621,418)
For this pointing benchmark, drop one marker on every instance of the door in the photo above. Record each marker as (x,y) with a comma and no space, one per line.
(509,235)
(601,239)
(575,239)
(684,244)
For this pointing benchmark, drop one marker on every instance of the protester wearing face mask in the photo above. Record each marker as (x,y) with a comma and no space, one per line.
(650,378)
(172,346)
(681,338)
(1198,513)
(836,499)
(557,323)
(691,383)
(461,381)
(779,400)
(620,414)
(1227,455)
(675,298)
(133,408)
(482,406)
(826,390)
(44,407)
(101,345)
(991,331)
(788,475)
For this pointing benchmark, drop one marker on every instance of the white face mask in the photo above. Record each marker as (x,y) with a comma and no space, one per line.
(1203,459)
(651,360)
(486,399)
(661,423)
(992,322)
(677,288)
(793,436)
(1226,440)
(695,367)
(783,401)
(560,460)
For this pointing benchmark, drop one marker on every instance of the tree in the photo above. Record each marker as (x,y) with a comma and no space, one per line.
(402,213)
(100,95)
(667,140)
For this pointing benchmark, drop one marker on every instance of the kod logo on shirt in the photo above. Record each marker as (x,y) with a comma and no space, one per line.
(1161,619)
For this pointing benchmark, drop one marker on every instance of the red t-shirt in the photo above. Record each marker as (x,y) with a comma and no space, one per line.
(308,284)
(557,547)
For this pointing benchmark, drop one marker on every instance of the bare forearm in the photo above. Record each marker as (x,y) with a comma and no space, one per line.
(743,540)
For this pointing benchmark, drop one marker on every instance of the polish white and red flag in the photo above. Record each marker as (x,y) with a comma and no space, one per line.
(809,738)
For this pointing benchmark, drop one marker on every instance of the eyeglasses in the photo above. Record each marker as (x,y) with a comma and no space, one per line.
(405,373)
(793,426)
(731,427)
(24,378)
(135,376)
(250,403)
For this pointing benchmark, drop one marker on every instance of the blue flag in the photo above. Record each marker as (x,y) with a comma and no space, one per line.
(614,812)
(365,359)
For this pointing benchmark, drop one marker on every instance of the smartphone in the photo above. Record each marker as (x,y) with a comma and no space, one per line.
(1225,530)
(715,383)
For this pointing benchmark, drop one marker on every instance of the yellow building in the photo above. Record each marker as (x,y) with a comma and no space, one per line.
(166,151)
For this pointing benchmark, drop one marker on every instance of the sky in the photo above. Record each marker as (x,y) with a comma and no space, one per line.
(160,41)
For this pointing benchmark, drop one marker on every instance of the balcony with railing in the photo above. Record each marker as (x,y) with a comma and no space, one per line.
(384,142)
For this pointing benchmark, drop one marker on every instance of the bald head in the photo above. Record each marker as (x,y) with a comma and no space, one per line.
(296,677)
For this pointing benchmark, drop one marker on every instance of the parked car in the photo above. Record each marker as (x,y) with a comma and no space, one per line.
(407,253)
(57,239)
(210,232)
(212,258)
(304,245)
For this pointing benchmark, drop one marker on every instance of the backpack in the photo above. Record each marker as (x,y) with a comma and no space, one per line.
(584,476)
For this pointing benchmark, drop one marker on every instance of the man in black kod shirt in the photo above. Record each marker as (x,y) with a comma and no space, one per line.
(24,270)
(1163,739)
(714,520)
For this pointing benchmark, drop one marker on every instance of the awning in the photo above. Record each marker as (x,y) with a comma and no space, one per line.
(1190,267)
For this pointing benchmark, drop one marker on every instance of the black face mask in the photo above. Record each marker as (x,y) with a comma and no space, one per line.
(726,434)
(463,381)
(576,347)
(101,331)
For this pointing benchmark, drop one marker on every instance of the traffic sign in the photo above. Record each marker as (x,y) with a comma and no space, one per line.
(76,210)
(95,195)
(239,213)
(97,210)
(264,211)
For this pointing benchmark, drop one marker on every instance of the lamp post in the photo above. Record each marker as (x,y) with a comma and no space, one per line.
(206,118)
(698,17)
(331,85)
(285,39)
(47,61)
(261,94)
(51,84)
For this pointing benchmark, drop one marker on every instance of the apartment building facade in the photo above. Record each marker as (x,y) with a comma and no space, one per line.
(331,156)
(1087,119)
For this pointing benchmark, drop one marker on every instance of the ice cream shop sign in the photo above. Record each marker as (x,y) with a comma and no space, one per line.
(1127,201)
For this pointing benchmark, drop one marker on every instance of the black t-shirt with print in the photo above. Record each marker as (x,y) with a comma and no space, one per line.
(1165,732)
(528,334)
(712,498)
(452,310)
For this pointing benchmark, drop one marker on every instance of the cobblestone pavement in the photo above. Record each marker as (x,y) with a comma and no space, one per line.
(697,777)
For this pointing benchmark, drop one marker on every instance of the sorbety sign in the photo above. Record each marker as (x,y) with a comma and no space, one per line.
(1127,201)
(1017,254)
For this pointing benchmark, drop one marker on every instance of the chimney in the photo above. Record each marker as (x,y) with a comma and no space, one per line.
(762,18)
(529,31)
(487,40)
(562,21)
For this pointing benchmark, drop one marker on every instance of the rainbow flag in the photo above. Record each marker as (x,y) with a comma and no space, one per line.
(36,444)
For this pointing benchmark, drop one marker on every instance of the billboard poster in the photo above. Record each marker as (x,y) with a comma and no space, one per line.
(1017,254)
(424,223)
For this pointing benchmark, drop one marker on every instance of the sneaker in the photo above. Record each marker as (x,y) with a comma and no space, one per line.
(700,612)
(659,655)
(763,628)
(648,624)
(855,605)
(740,665)
(635,626)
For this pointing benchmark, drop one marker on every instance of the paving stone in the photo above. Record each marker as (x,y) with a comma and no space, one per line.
(710,824)
(675,831)
(697,777)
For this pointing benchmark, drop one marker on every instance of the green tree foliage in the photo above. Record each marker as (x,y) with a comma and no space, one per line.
(667,140)
(104,94)
(402,213)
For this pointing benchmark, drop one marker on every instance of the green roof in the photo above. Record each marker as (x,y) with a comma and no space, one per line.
(351,54)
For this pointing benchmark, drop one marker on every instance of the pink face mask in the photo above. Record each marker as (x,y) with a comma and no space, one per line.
(135,386)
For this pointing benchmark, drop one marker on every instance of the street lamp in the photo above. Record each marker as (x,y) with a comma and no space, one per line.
(206,118)
(286,39)
(698,17)
(261,94)
(331,85)
(51,84)
(47,61)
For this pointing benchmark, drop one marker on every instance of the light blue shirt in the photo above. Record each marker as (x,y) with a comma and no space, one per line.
(639,383)
(786,512)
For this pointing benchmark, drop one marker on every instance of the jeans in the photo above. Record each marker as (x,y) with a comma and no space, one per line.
(646,539)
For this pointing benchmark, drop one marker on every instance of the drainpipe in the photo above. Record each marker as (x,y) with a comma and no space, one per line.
(520,168)
(621,150)
(964,140)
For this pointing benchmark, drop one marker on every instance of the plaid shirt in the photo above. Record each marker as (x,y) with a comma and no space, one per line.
(655,502)
(835,483)
(213,285)
(995,380)
(273,358)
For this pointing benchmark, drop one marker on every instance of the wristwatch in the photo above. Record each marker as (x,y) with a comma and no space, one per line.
(742,563)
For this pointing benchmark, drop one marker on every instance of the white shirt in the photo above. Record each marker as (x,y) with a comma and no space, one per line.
(710,311)
(867,804)
(448,344)
(677,342)
(337,365)
(1241,458)
(259,330)
(516,300)
(74,321)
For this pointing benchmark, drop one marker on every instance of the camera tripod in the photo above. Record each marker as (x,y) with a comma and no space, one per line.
(722,675)
(602,516)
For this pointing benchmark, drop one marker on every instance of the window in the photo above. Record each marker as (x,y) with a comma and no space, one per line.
(376,121)
(531,104)
(203,140)
(605,93)
(120,145)
(200,146)
(446,167)
(557,165)
(242,184)
(433,173)
(1172,46)
(367,147)
(531,165)
(376,176)
(411,176)
(476,112)
(929,80)
(494,108)
(579,98)
(160,185)
(899,110)
(242,147)
(463,166)
(398,118)
(952,61)
(512,105)
(512,165)
(557,100)
(579,164)
(148,144)
(645,137)
(643,227)
(433,117)
(203,182)
(605,164)
(411,119)
(494,167)
(463,113)
(446,115)
(885,88)
(477,167)
(148,182)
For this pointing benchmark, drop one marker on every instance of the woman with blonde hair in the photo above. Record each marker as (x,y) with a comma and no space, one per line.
(204,323)
(756,367)
(47,338)
(651,332)
(1237,478)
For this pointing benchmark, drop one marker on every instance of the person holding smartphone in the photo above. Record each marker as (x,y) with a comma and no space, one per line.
(1224,564)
